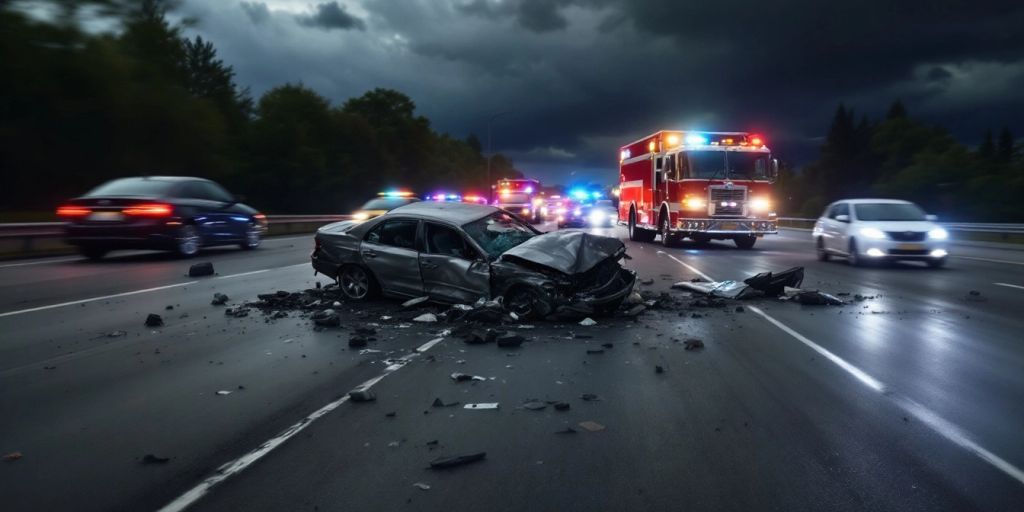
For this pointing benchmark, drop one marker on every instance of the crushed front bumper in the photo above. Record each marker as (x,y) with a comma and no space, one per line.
(732,226)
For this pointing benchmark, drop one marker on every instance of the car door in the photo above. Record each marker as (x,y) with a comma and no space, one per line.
(389,250)
(452,269)
(839,236)
(232,224)
(208,211)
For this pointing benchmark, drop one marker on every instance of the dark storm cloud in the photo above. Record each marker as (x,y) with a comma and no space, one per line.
(581,77)
(330,16)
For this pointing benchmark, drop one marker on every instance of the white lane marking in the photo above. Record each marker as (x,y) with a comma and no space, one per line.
(238,465)
(687,265)
(1008,262)
(937,423)
(868,380)
(136,292)
(40,262)
(1008,285)
(426,346)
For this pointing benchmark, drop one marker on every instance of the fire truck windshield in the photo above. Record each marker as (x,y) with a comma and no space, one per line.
(712,164)
(513,198)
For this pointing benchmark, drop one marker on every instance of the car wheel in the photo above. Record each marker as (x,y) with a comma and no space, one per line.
(253,237)
(822,253)
(92,252)
(937,263)
(188,241)
(667,239)
(852,257)
(356,282)
(526,302)
(745,241)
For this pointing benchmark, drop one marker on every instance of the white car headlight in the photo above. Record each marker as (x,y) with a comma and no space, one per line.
(360,216)
(597,217)
(873,233)
(938,234)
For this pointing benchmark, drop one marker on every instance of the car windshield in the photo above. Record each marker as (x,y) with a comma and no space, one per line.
(498,233)
(889,211)
(387,203)
(713,164)
(133,187)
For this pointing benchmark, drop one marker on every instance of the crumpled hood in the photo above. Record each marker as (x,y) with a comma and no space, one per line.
(568,251)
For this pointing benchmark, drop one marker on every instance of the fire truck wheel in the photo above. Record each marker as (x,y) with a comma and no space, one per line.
(637,234)
(667,238)
(745,241)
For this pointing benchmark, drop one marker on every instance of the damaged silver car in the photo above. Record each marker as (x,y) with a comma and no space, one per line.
(460,253)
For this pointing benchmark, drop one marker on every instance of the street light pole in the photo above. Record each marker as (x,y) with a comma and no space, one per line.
(490,154)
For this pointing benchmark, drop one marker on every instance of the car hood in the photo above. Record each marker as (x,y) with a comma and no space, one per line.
(899,225)
(569,252)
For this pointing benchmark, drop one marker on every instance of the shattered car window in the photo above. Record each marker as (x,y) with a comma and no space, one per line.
(889,211)
(396,233)
(498,233)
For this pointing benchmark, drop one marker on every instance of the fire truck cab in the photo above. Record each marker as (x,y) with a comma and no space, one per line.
(698,185)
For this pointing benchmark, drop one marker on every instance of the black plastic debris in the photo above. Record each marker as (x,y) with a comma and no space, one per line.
(357,342)
(975,296)
(535,405)
(327,318)
(168,307)
(462,377)
(149,458)
(238,312)
(647,282)
(635,310)
(739,309)
(589,397)
(658,369)
(219,299)
(707,302)
(816,298)
(362,395)
(201,269)
(365,331)
(509,340)
(608,345)
(154,320)
(476,337)
(693,344)
(567,430)
(562,406)
(458,460)
(441,403)
(774,284)
(116,334)
(595,351)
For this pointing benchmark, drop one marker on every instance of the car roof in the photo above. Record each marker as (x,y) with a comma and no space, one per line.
(456,213)
(164,178)
(873,201)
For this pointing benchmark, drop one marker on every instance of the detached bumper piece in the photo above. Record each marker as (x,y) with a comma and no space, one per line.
(729,226)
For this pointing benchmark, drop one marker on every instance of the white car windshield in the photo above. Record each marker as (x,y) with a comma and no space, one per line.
(889,211)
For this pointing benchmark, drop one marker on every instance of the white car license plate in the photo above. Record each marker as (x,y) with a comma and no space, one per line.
(106,216)
(910,247)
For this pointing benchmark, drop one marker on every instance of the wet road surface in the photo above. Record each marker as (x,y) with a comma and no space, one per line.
(911,400)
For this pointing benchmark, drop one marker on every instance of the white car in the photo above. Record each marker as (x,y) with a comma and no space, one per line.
(866,230)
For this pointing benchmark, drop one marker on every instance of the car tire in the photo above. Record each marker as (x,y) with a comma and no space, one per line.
(852,256)
(188,242)
(253,238)
(745,242)
(823,255)
(93,252)
(526,302)
(937,263)
(357,283)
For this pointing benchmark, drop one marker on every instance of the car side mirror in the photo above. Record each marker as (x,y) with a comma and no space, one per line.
(931,218)
(843,218)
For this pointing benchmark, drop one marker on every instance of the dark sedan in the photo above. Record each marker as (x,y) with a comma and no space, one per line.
(172,213)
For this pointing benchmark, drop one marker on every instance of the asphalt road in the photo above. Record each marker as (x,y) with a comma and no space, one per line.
(911,400)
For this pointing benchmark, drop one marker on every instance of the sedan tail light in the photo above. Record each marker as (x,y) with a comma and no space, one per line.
(73,211)
(149,210)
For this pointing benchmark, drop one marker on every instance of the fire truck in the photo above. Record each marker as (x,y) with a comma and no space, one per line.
(698,185)
(521,197)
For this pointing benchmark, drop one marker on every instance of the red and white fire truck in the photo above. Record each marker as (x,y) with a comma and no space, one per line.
(698,185)
(521,197)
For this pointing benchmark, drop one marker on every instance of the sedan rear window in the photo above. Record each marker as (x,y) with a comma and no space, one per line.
(133,187)
(888,211)
(498,233)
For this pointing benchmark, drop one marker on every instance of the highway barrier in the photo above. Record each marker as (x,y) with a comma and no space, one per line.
(25,239)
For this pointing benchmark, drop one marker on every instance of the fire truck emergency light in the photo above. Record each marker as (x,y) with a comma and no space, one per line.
(696,140)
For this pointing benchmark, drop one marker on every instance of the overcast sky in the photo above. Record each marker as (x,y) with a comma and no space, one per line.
(578,78)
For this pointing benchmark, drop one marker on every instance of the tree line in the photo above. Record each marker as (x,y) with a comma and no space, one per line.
(79,107)
(899,157)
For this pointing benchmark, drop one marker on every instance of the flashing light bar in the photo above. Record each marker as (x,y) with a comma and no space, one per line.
(395,193)
(696,140)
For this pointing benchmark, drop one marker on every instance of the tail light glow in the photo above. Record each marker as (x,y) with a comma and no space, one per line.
(149,210)
(73,211)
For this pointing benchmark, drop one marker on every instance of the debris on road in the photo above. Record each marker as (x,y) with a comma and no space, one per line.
(326,318)
(462,377)
(590,397)
(588,322)
(357,342)
(421,486)
(149,458)
(562,406)
(535,405)
(426,318)
(591,426)
(154,320)
(739,309)
(635,310)
(485,405)
(239,312)
(413,302)
(693,344)
(362,395)
(595,351)
(658,369)
(723,289)
(201,269)
(13,456)
(458,460)
(441,403)
(223,392)
(509,340)
(219,299)
(975,296)
(116,334)
(567,430)
(775,284)
(816,298)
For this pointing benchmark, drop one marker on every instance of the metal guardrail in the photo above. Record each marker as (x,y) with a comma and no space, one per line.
(969,227)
